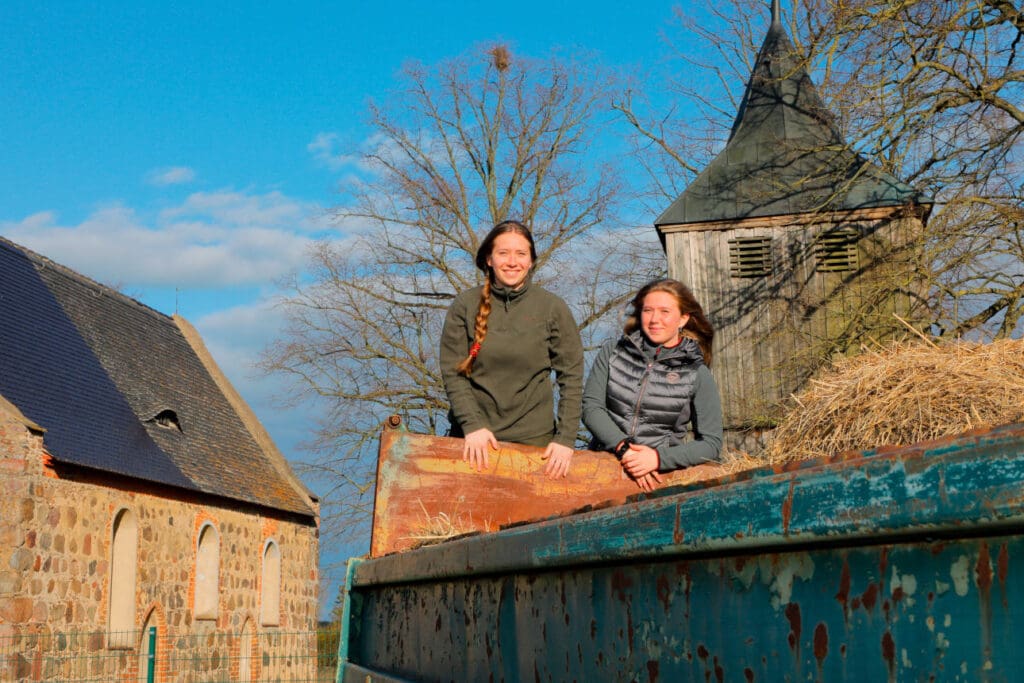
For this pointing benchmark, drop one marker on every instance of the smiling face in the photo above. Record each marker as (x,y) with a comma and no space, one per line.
(510,259)
(661,319)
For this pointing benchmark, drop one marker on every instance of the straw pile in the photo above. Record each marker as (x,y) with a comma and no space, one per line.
(905,393)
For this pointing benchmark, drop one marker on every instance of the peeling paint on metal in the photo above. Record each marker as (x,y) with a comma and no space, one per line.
(959,571)
(781,576)
(827,594)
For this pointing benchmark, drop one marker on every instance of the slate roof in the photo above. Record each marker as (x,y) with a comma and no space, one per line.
(784,156)
(100,371)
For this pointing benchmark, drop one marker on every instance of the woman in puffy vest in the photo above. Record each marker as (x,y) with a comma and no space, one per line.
(647,389)
(500,343)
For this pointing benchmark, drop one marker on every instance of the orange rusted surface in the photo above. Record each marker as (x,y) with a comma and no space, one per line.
(426,492)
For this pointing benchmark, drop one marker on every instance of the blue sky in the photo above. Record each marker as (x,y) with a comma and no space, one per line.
(183,152)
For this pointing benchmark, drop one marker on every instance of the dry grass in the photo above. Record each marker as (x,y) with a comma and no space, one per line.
(441,526)
(733,461)
(902,394)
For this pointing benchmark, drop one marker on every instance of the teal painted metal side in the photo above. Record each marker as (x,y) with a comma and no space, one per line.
(347,622)
(900,566)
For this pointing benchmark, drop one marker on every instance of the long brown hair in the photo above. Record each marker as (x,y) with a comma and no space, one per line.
(697,327)
(484,311)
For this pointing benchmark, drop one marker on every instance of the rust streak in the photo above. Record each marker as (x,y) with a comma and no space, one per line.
(793,615)
(889,654)
(820,643)
(869,596)
(620,585)
(787,508)
(843,596)
(664,589)
(1003,563)
(983,570)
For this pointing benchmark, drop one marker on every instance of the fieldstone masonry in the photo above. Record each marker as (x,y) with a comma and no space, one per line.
(55,554)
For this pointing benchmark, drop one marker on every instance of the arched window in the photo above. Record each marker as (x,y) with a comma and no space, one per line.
(207,572)
(124,556)
(270,586)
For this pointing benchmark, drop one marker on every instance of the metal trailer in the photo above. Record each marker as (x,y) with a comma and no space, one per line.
(892,565)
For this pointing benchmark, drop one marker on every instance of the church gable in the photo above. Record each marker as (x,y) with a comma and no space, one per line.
(119,388)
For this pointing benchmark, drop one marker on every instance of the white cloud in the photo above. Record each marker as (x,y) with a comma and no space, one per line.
(326,149)
(237,209)
(214,239)
(247,326)
(323,148)
(171,175)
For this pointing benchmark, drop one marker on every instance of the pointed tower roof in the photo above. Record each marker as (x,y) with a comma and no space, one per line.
(784,155)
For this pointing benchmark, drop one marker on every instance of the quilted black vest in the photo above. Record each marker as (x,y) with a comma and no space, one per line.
(650,388)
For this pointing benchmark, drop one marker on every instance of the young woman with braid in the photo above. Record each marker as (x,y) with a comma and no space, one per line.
(500,343)
(651,386)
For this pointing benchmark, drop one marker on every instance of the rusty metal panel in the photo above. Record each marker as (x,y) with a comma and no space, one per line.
(422,482)
(896,566)
(939,611)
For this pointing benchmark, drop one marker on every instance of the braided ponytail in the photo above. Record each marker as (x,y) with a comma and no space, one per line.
(479,331)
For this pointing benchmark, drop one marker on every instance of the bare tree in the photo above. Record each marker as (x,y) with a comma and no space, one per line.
(460,147)
(928,90)
(932,91)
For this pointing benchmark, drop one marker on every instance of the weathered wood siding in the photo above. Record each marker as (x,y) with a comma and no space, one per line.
(772,331)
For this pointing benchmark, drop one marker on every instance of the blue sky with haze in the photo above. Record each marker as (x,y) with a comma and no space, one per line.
(183,152)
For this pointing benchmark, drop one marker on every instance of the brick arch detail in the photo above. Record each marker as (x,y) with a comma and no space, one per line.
(163,643)
(249,627)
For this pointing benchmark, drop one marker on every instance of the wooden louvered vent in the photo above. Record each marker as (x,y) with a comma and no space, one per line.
(836,251)
(750,256)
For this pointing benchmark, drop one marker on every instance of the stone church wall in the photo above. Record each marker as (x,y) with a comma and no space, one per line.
(56,532)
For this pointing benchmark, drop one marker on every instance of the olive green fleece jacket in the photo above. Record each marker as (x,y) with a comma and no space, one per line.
(530,333)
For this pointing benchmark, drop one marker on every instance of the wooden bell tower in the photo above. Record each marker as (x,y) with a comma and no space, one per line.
(795,245)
